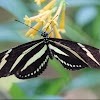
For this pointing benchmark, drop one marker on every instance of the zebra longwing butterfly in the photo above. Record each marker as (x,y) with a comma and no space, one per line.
(30,59)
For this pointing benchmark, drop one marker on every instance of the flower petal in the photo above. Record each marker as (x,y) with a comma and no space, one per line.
(57,33)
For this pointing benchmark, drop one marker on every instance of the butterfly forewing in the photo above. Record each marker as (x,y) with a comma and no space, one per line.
(83,55)
(13,58)
(66,58)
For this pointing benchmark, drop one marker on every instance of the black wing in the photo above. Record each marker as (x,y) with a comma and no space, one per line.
(35,65)
(13,60)
(73,55)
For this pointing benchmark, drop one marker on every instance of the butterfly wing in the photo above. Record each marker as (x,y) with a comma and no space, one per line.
(13,60)
(73,55)
(35,65)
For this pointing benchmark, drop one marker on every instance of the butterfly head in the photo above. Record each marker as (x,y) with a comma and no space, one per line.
(44,34)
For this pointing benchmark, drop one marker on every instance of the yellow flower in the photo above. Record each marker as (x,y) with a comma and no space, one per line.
(62,22)
(32,32)
(30,20)
(45,17)
(56,16)
(39,2)
(27,20)
(48,28)
(41,21)
(54,21)
(56,32)
(48,6)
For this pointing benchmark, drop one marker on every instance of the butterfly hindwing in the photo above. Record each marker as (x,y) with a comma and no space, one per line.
(35,65)
(11,58)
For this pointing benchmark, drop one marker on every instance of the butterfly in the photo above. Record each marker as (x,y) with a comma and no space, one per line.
(30,59)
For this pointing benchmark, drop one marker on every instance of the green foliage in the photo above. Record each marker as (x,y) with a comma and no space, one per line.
(84,29)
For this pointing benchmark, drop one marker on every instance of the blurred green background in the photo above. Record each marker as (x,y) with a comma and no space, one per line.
(82,25)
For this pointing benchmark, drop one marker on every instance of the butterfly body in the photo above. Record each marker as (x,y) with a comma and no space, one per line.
(47,42)
(30,59)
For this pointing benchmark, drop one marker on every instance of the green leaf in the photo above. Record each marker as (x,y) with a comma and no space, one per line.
(96,27)
(50,87)
(16,92)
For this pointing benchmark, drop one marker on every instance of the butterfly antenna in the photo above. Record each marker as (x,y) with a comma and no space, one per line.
(27,25)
